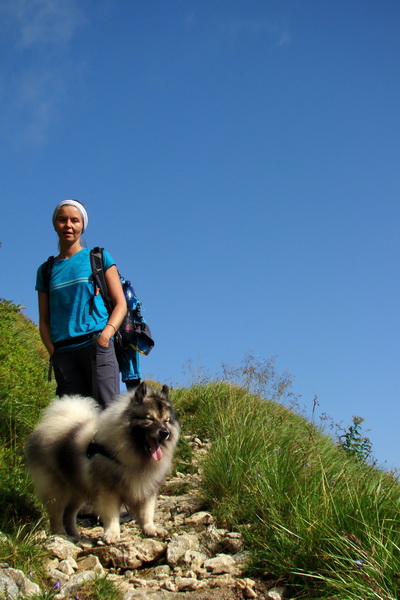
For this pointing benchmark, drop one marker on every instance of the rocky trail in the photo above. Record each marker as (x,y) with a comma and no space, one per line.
(196,560)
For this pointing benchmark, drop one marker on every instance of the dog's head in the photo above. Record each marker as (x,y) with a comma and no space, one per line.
(153,422)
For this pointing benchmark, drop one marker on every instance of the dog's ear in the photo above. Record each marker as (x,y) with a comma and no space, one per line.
(141,392)
(165,390)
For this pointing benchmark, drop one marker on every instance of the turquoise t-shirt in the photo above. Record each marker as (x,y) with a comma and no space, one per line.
(74,310)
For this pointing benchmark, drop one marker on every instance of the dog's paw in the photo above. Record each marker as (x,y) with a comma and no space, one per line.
(153,531)
(111,536)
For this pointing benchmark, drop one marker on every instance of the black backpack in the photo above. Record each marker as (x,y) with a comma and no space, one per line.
(133,332)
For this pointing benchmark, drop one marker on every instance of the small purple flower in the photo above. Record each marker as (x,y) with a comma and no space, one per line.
(31,575)
(359,563)
(57,585)
(306,464)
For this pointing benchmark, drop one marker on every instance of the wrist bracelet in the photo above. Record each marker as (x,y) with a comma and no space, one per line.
(112,327)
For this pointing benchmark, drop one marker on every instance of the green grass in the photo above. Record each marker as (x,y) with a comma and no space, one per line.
(23,549)
(100,589)
(313,516)
(24,391)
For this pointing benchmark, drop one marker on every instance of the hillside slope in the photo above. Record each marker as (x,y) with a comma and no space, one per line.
(314,517)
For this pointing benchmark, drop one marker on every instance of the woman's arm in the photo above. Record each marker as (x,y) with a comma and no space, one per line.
(44,321)
(118,299)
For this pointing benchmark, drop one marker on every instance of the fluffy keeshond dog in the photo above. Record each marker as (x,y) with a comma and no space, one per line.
(81,454)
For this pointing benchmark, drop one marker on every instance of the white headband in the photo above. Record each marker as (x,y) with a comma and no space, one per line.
(77,205)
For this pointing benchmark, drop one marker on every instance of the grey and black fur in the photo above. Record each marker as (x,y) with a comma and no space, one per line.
(80,454)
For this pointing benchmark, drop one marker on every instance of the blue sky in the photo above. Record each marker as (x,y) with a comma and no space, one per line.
(239,159)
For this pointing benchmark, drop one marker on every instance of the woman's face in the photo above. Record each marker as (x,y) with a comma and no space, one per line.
(68,223)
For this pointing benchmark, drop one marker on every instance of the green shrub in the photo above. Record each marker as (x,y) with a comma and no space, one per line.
(354,443)
(24,391)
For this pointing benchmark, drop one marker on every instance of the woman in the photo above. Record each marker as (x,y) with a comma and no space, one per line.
(74,323)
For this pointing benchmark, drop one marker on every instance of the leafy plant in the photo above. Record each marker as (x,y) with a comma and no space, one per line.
(354,443)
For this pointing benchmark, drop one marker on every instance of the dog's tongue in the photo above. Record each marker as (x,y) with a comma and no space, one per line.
(155,449)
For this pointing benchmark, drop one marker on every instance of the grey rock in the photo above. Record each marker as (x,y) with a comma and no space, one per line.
(14,584)
(68,566)
(222,563)
(178,547)
(200,518)
(188,584)
(90,563)
(61,547)
(212,540)
(162,571)
(194,559)
(72,586)
(276,593)
(130,555)
(8,587)
(55,575)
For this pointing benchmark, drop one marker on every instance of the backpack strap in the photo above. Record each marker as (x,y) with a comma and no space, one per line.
(95,448)
(46,272)
(99,278)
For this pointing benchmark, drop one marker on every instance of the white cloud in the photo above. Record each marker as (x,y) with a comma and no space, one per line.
(284,39)
(38,96)
(37,64)
(43,21)
(252,26)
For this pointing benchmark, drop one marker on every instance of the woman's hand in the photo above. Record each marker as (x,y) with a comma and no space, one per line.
(104,337)
(44,322)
